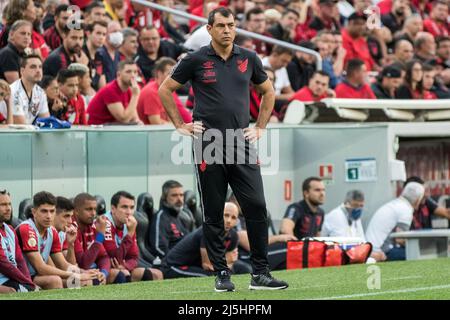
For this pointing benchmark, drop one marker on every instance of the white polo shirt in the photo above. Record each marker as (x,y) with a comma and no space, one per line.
(398,212)
(29,107)
(281,77)
(336,224)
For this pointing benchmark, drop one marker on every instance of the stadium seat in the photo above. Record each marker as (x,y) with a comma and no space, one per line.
(14,222)
(101,205)
(190,202)
(25,209)
(144,213)
(187,219)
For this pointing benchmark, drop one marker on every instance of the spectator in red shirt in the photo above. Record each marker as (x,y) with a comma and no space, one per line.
(412,85)
(150,108)
(317,89)
(53,35)
(425,47)
(354,85)
(39,241)
(354,41)
(120,239)
(437,24)
(429,74)
(74,110)
(13,267)
(117,101)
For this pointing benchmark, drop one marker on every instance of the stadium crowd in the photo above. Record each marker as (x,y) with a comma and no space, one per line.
(66,243)
(107,67)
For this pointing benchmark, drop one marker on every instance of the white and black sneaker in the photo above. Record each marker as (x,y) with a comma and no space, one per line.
(265,281)
(223,282)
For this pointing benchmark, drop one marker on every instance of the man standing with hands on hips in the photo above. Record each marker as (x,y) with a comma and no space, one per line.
(220,74)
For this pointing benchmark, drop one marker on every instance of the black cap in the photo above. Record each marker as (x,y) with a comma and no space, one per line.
(391,72)
(357,15)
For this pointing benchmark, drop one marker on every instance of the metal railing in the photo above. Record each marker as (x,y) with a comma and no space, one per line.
(238,30)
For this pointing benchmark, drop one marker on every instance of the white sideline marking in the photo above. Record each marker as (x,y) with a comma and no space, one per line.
(402,278)
(359,295)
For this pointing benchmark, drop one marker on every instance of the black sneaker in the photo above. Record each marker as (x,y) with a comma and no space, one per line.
(265,281)
(223,282)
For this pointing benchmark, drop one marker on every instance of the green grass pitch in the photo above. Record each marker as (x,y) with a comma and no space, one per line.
(428,279)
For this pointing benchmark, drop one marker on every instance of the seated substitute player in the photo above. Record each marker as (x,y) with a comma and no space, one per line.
(89,249)
(14,274)
(67,231)
(120,239)
(189,257)
(40,242)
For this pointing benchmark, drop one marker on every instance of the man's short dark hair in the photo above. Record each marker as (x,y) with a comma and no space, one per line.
(63,204)
(46,81)
(61,8)
(162,63)
(279,50)
(81,198)
(289,10)
(76,26)
(413,179)
(93,5)
(307,183)
(353,65)
(222,11)
(24,60)
(320,72)
(65,74)
(441,39)
(253,11)
(124,63)
(115,199)
(91,27)
(241,39)
(43,197)
(427,67)
(167,186)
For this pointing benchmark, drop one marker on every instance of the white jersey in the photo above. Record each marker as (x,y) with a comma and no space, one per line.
(29,107)
(396,213)
(337,224)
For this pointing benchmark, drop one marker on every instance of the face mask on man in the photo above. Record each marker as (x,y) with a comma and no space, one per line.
(115,39)
(356,213)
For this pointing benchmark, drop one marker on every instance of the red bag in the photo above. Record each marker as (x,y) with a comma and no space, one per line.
(305,254)
(359,253)
(334,256)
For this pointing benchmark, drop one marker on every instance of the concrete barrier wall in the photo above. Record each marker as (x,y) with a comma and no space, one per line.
(138,159)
